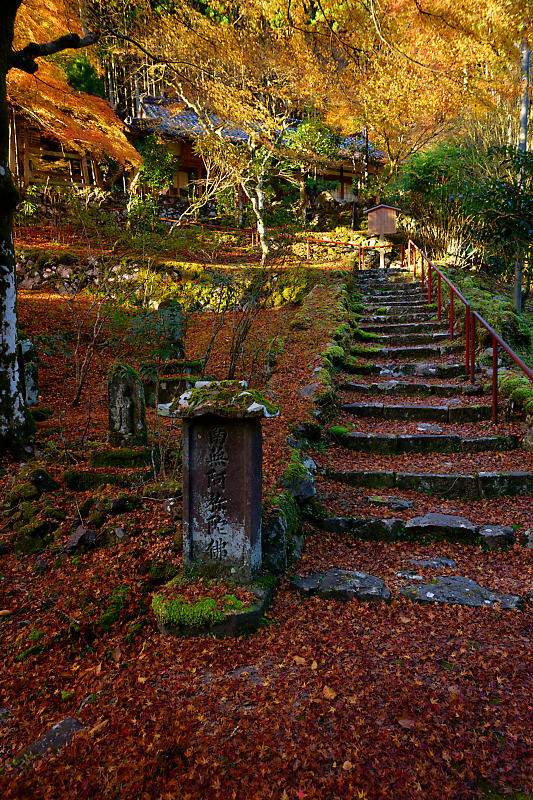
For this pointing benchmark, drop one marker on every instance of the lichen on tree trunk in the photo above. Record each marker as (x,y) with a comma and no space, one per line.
(14,425)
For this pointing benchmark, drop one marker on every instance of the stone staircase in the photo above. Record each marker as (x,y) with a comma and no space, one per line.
(409,419)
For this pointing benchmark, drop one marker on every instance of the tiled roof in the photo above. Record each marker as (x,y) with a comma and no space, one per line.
(168,117)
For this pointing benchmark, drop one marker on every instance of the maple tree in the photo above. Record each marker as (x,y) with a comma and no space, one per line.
(86,125)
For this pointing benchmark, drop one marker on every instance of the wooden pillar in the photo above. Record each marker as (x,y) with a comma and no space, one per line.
(342,182)
(85,171)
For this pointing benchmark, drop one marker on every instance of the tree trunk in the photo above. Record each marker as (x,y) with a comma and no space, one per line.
(14,425)
(522,145)
(257,199)
(303,200)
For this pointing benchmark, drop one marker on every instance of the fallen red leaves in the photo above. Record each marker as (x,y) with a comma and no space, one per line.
(326,700)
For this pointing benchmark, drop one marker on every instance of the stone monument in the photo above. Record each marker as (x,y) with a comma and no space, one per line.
(29,370)
(127,412)
(171,316)
(222,479)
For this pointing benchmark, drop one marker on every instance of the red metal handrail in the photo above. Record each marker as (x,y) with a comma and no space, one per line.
(472,316)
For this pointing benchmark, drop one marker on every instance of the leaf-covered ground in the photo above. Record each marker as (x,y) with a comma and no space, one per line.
(326,700)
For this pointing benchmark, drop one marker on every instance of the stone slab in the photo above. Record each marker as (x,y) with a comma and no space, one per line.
(498,484)
(54,739)
(494,537)
(443,525)
(452,485)
(432,563)
(458,590)
(344,585)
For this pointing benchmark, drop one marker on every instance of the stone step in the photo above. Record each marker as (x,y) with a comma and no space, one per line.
(412,351)
(398,304)
(390,444)
(454,486)
(472,413)
(408,316)
(412,338)
(406,327)
(407,389)
(431,527)
(422,370)
(405,294)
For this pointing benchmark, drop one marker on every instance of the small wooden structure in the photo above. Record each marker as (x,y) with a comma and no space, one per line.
(382,221)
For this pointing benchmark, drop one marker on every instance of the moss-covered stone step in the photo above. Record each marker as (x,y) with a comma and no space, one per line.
(406,327)
(356,366)
(400,295)
(479,485)
(406,339)
(80,480)
(411,351)
(394,306)
(471,413)
(404,388)
(407,316)
(391,444)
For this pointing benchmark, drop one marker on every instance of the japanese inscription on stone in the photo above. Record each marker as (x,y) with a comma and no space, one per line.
(222,496)
(217,500)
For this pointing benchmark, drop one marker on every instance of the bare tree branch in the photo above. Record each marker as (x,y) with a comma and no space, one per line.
(25,59)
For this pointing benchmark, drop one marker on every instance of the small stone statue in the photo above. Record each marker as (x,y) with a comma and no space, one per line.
(127,412)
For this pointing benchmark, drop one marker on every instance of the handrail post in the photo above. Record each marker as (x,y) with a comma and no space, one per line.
(409,254)
(451,313)
(438,296)
(422,268)
(494,380)
(467,338)
(403,253)
(472,347)
(429,283)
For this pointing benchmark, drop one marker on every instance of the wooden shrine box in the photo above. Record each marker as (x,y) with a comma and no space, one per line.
(382,219)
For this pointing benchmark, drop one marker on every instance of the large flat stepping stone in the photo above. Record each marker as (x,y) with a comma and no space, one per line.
(343,584)
(457,590)
(442,525)
(54,739)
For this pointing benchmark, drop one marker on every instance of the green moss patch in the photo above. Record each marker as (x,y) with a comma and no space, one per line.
(193,605)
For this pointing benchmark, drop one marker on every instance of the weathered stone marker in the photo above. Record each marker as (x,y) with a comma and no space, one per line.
(171,316)
(29,370)
(222,476)
(127,412)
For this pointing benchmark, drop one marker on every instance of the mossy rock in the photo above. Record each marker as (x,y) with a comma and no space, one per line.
(81,480)
(42,413)
(163,491)
(127,457)
(31,537)
(22,492)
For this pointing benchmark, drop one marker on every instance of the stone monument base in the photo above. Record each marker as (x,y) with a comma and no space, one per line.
(231,622)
